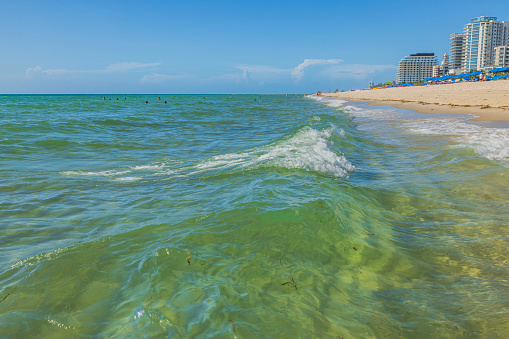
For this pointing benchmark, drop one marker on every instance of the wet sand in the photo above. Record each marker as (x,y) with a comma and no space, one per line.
(489,101)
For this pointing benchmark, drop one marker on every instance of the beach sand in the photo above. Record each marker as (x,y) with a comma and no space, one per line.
(487,100)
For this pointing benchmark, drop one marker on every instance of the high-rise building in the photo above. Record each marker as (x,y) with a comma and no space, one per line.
(457,45)
(443,69)
(501,56)
(416,67)
(482,35)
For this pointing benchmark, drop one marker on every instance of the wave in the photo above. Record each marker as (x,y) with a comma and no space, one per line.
(308,149)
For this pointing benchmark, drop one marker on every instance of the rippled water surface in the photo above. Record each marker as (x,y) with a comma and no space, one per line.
(249,217)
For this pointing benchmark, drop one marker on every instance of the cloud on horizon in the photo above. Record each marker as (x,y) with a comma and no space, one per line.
(156,78)
(330,69)
(357,71)
(298,72)
(120,67)
(242,77)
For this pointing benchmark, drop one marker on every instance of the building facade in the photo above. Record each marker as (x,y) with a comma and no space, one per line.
(416,67)
(457,55)
(443,69)
(481,37)
(501,56)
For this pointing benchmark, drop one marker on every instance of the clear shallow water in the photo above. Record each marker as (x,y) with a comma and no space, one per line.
(229,217)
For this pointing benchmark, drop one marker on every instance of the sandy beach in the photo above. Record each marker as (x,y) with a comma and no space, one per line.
(487,100)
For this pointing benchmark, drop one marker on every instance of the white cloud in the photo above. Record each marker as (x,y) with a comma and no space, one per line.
(128,66)
(298,71)
(356,70)
(33,70)
(156,78)
(262,69)
(120,67)
(245,75)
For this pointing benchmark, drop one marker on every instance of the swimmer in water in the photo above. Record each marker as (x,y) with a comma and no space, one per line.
(146,102)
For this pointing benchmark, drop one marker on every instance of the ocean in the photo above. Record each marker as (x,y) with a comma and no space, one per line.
(249,216)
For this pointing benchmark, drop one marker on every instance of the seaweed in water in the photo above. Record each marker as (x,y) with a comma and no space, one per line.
(292,283)
(188,258)
(7,295)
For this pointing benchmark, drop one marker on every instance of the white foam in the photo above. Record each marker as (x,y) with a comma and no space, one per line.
(309,150)
(335,103)
(120,174)
(222,162)
(148,167)
(128,179)
(109,173)
(490,143)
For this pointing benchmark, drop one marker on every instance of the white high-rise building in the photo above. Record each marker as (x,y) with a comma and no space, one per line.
(457,45)
(482,35)
(416,67)
(501,56)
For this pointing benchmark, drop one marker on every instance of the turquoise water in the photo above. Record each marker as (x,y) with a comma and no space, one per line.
(249,217)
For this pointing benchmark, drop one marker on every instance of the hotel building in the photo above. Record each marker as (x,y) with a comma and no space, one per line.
(482,35)
(457,45)
(501,56)
(416,67)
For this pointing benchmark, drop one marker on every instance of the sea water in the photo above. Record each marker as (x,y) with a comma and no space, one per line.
(243,216)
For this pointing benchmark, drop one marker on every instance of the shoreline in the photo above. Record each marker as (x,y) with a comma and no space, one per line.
(488,101)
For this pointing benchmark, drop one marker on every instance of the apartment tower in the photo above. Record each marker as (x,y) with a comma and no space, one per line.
(416,67)
(481,37)
(501,56)
(457,45)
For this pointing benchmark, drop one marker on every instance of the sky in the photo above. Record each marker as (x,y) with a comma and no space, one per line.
(181,47)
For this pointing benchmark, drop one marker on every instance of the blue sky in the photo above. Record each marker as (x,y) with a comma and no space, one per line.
(219,46)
